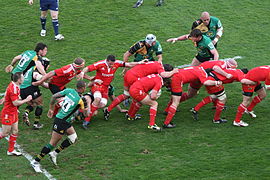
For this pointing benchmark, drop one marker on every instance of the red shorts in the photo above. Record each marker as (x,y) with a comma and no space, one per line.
(9,119)
(102,89)
(196,84)
(129,79)
(249,88)
(214,89)
(137,93)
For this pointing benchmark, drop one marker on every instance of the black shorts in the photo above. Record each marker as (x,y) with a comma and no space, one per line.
(60,126)
(31,90)
(203,59)
(54,89)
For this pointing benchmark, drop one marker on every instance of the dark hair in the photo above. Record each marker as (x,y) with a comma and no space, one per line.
(78,61)
(196,33)
(40,46)
(80,84)
(244,70)
(16,76)
(111,58)
(167,67)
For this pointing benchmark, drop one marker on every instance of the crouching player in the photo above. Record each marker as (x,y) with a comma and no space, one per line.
(62,123)
(139,91)
(257,74)
(9,113)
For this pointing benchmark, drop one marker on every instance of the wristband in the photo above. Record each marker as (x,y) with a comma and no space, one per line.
(216,40)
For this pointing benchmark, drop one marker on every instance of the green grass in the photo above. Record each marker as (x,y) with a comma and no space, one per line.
(118,149)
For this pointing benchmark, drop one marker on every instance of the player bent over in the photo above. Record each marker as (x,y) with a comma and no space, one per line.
(9,114)
(62,123)
(257,74)
(139,91)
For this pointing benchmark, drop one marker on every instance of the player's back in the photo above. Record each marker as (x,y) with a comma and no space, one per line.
(258,73)
(26,61)
(151,67)
(191,74)
(149,82)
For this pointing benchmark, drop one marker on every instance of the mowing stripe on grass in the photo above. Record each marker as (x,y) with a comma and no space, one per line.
(30,158)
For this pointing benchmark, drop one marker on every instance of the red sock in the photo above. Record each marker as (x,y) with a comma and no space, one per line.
(93,108)
(171,113)
(117,101)
(214,102)
(219,108)
(168,105)
(240,111)
(132,111)
(152,113)
(254,102)
(205,101)
(184,97)
(11,142)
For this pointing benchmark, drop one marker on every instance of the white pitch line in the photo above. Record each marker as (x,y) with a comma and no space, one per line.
(30,158)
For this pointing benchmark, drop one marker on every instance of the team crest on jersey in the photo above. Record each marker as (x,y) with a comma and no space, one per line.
(7,121)
(209,33)
(62,131)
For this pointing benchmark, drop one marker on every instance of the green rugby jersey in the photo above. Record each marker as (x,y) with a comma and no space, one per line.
(141,51)
(204,46)
(27,61)
(72,101)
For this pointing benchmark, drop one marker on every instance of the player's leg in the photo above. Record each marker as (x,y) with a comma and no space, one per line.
(240,111)
(71,139)
(38,112)
(195,62)
(221,97)
(12,139)
(171,111)
(152,112)
(159,2)
(6,129)
(257,99)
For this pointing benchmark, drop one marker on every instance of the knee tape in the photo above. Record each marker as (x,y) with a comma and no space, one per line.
(72,138)
(126,93)
(104,101)
(97,95)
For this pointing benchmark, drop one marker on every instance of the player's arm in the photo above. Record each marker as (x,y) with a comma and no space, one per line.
(9,68)
(247,81)
(52,103)
(222,72)
(167,74)
(215,53)
(19,102)
(40,67)
(219,32)
(180,38)
(44,78)
(126,56)
(84,105)
(132,64)
(212,83)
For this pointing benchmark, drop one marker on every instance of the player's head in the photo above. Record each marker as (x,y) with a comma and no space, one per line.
(81,86)
(41,49)
(78,63)
(150,39)
(231,63)
(18,78)
(196,35)
(167,67)
(110,60)
(205,17)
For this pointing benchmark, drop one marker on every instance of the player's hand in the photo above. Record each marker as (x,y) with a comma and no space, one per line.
(218,83)
(175,70)
(50,113)
(98,81)
(9,68)
(214,42)
(80,76)
(229,76)
(29,98)
(30,2)
(172,40)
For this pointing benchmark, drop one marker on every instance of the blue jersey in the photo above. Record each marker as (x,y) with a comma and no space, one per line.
(49,4)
